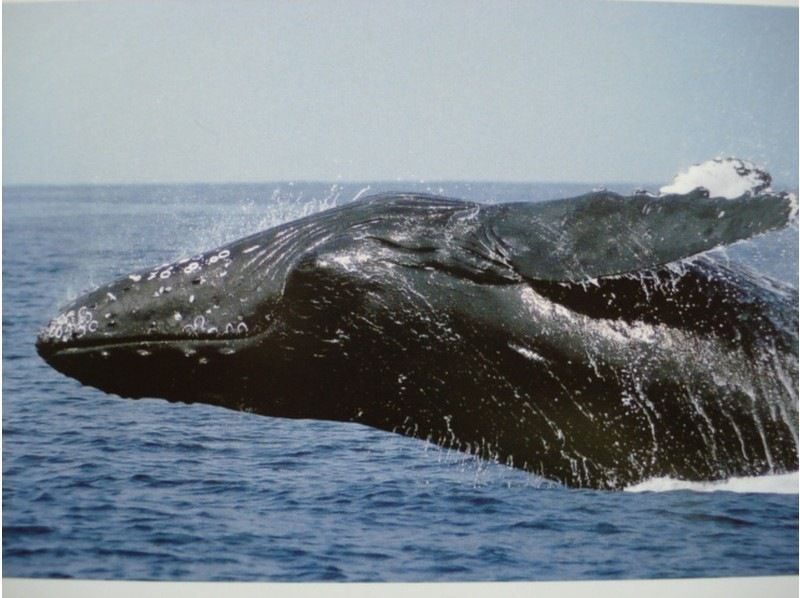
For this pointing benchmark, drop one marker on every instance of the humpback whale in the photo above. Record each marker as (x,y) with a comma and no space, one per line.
(590,340)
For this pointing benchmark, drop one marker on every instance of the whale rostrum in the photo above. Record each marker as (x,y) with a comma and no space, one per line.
(589,340)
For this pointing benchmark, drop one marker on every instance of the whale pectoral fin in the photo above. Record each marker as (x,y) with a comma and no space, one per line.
(601,234)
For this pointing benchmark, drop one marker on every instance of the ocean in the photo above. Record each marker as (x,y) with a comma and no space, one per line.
(99,487)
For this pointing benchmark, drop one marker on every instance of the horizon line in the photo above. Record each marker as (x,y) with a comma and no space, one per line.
(330,182)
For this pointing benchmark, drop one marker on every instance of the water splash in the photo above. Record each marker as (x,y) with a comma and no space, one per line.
(722,177)
(785,483)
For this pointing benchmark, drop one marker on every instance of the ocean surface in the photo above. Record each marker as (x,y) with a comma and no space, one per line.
(95,486)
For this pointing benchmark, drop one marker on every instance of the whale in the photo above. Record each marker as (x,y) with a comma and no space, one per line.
(595,340)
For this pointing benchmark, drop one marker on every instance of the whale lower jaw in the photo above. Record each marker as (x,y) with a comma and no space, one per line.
(139,368)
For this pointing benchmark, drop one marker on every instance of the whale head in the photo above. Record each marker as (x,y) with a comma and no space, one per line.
(165,332)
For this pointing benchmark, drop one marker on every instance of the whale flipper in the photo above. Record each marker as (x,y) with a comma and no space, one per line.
(601,234)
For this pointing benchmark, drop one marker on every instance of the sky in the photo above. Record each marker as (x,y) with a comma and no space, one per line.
(245,91)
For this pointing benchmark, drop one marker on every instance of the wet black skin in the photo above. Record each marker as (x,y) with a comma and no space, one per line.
(563,338)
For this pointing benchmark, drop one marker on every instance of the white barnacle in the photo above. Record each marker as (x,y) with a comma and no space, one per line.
(527,353)
(249,249)
(143,352)
(165,274)
(223,254)
(242,328)
(213,259)
(111,296)
(191,298)
(135,277)
(193,267)
(178,317)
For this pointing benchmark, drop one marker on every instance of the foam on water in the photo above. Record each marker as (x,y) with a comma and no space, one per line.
(784,483)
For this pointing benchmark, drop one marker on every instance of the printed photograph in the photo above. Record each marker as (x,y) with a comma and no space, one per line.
(351,291)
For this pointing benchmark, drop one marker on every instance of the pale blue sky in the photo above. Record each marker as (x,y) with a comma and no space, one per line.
(129,92)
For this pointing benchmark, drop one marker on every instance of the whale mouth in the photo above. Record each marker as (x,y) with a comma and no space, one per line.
(49,351)
(47,347)
(175,368)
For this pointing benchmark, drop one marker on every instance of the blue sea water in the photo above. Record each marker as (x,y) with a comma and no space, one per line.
(95,486)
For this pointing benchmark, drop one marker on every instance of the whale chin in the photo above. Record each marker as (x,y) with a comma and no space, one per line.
(126,369)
